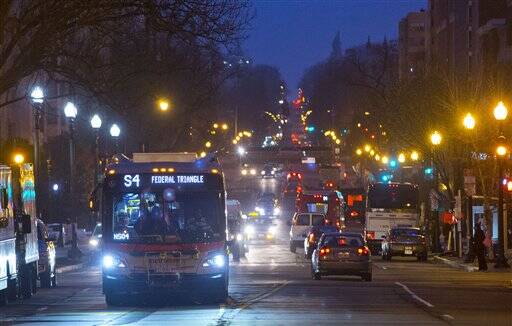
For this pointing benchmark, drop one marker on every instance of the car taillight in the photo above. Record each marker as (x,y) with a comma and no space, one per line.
(325,251)
(354,214)
(370,235)
(311,238)
(363,251)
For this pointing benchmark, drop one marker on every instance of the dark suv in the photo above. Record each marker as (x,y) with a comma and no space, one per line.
(404,242)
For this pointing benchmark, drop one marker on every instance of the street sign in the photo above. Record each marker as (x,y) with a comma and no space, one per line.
(308,160)
(469,182)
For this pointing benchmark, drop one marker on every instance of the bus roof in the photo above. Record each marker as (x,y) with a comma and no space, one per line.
(161,162)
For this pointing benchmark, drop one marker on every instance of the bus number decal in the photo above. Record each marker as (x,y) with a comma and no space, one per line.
(129,180)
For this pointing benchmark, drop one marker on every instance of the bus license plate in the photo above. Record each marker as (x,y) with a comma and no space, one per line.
(408,250)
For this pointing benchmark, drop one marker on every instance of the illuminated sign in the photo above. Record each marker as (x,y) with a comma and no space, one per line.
(121,236)
(177,179)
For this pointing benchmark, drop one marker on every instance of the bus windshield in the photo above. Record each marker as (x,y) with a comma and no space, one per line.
(393,196)
(148,218)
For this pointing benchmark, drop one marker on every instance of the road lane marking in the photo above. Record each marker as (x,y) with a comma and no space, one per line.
(42,309)
(446,316)
(414,295)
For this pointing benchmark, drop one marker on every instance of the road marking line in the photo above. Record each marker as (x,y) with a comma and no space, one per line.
(450,317)
(42,309)
(426,303)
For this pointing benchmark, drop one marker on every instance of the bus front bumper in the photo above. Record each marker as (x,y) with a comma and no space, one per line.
(154,283)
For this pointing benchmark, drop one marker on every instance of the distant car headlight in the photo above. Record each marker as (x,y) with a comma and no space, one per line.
(249,230)
(262,172)
(239,237)
(217,261)
(277,211)
(272,172)
(252,171)
(110,262)
(94,242)
(244,172)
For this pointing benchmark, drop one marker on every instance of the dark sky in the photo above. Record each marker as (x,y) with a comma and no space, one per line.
(293,35)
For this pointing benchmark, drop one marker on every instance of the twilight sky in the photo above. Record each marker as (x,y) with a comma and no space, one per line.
(294,34)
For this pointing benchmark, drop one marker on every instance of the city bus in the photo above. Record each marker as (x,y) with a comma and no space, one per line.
(389,205)
(327,202)
(19,253)
(164,226)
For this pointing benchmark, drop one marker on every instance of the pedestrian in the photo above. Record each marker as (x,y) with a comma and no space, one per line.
(479,247)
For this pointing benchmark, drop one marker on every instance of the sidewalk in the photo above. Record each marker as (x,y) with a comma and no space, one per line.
(65,264)
(459,263)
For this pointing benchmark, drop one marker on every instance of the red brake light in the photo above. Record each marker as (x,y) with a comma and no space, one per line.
(370,235)
(363,251)
(325,251)
(354,214)
(299,176)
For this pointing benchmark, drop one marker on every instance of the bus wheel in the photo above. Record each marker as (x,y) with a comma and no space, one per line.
(113,299)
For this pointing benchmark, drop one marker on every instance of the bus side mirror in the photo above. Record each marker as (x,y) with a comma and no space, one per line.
(4,199)
(26,223)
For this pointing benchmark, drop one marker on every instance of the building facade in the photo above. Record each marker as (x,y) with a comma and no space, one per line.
(411,44)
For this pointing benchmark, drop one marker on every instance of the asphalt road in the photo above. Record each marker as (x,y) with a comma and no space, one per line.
(273,286)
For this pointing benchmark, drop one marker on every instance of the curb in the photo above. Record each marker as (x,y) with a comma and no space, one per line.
(454,264)
(70,268)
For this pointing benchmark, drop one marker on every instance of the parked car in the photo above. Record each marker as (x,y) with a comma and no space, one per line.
(46,262)
(300,225)
(341,254)
(311,241)
(56,233)
(405,242)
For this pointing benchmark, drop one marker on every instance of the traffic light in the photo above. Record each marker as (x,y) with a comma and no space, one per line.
(429,171)
(393,163)
(310,129)
(386,177)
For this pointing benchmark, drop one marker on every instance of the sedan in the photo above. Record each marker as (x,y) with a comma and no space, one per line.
(311,241)
(341,254)
(405,242)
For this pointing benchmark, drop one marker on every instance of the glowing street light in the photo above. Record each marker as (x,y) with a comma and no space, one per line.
(225,126)
(96,122)
(18,158)
(501,150)
(202,154)
(500,111)
(70,110)
(377,157)
(415,156)
(215,125)
(367,148)
(37,95)
(359,152)
(163,104)
(208,144)
(469,121)
(115,131)
(385,160)
(241,151)
(435,138)
(401,157)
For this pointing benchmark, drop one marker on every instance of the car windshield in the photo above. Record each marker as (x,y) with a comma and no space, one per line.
(343,241)
(147,217)
(317,219)
(405,233)
(98,230)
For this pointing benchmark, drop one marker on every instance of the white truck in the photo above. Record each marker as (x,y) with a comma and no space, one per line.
(389,205)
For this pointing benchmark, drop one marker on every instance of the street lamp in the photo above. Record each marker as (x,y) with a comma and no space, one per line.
(401,157)
(500,114)
(37,99)
(241,151)
(435,139)
(115,131)
(96,125)
(70,111)
(469,122)
(415,156)
(18,158)
(163,104)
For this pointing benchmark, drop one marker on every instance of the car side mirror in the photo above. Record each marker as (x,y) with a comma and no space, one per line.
(26,224)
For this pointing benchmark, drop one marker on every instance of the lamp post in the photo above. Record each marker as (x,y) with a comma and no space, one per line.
(70,111)
(435,139)
(96,125)
(469,124)
(37,99)
(500,114)
(115,131)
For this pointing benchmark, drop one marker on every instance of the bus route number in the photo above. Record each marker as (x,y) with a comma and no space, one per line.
(130,180)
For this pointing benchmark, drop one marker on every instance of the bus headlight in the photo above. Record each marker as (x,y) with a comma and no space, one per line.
(110,262)
(277,211)
(217,261)
(93,242)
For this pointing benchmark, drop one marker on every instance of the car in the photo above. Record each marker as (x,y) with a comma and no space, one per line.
(267,205)
(341,254)
(314,235)
(268,172)
(56,233)
(301,223)
(95,240)
(46,263)
(404,242)
(260,228)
